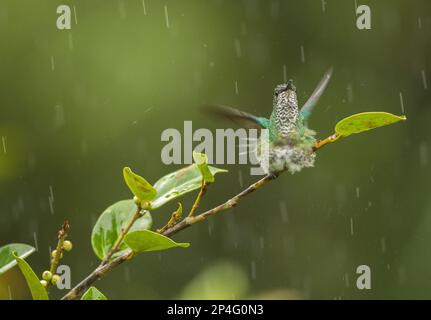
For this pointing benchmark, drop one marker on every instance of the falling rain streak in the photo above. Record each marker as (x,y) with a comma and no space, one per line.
(424,79)
(35,241)
(284,73)
(346,280)
(302,54)
(383,244)
(144,7)
(52,63)
(351,226)
(51,200)
(3,140)
(74,14)
(402,103)
(236,88)
(323,5)
(166,17)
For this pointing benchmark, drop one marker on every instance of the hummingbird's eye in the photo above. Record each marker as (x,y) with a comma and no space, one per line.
(280,88)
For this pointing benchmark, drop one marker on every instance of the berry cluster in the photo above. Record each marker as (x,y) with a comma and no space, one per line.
(47,276)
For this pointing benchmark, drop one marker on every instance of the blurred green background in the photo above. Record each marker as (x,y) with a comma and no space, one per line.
(78,105)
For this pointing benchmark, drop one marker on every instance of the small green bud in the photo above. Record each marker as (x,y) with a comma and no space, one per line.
(44,283)
(136,200)
(54,253)
(46,275)
(55,279)
(67,245)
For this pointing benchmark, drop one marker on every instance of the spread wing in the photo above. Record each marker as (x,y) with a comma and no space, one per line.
(308,106)
(241,118)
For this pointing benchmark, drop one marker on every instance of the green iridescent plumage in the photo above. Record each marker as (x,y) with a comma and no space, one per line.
(290,142)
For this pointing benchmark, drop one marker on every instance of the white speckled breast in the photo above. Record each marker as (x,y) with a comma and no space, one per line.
(286,113)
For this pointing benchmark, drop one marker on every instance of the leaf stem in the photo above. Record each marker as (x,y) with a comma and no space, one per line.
(201,193)
(123,233)
(321,143)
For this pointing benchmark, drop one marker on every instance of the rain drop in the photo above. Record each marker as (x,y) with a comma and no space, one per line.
(402,102)
(35,241)
(423,154)
(167,17)
(424,80)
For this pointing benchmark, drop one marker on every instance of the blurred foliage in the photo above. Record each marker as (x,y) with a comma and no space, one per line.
(77,106)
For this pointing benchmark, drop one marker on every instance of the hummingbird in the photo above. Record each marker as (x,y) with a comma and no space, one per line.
(289,142)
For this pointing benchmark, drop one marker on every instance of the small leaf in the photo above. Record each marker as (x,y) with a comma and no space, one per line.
(38,291)
(7,260)
(146,240)
(178,183)
(365,121)
(179,211)
(93,294)
(140,187)
(109,225)
(201,161)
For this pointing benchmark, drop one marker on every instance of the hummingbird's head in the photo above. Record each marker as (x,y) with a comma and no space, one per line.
(289,86)
(285,95)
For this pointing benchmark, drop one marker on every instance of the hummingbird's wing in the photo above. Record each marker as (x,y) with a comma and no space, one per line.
(241,118)
(308,106)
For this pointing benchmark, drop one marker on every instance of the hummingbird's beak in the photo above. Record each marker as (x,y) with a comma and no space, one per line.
(290,85)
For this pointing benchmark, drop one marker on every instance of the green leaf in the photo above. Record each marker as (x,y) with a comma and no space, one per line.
(38,291)
(110,223)
(178,183)
(7,260)
(365,121)
(93,294)
(140,187)
(146,240)
(201,161)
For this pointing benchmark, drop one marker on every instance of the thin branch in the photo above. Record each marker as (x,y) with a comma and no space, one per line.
(103,269)
(175,217)
(55,260)
(321,143)
(100,271)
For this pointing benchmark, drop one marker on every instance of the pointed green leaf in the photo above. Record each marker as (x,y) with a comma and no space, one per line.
(201,161)
(140,187)
(146,240)
(7,259)
(179,211)
(178,183)
(93,294)
(110,223)
(365,121)
(38,291)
